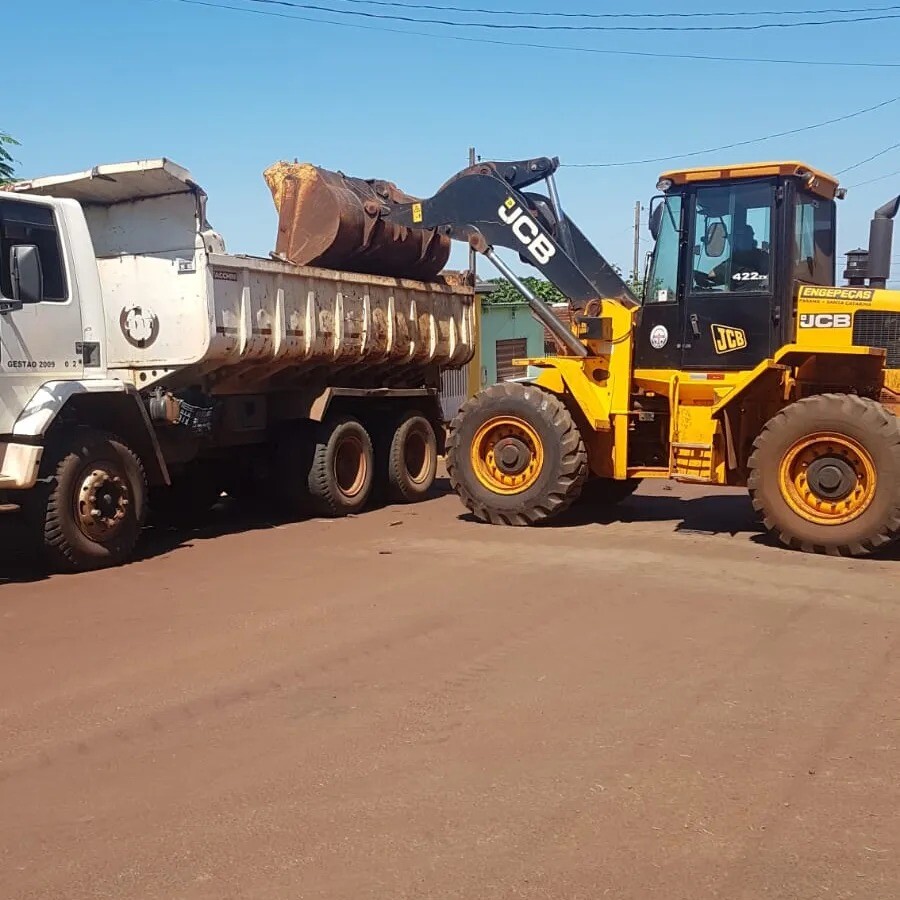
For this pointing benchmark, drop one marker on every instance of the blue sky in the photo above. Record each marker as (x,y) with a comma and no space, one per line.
(226,93)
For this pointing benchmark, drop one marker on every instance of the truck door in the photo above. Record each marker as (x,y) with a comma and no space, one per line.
(40,336)
(730,315)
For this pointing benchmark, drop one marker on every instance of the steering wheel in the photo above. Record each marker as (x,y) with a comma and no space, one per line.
(703,279)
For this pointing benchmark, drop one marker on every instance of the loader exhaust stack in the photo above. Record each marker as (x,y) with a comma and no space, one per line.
(330,220)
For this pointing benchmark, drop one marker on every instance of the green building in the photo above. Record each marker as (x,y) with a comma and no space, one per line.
(506,331)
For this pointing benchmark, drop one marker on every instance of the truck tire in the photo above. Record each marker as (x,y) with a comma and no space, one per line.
(410,458)
(515,455)
(605,492)
(343,463)
(825,475)
(89,507)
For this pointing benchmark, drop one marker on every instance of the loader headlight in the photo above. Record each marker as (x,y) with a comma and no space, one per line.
(664,184)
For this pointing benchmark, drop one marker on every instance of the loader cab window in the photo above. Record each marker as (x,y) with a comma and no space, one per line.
(662,277)
(731,238)
(814,240)
(35,225)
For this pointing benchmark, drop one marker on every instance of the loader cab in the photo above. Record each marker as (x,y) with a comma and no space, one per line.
(731,246)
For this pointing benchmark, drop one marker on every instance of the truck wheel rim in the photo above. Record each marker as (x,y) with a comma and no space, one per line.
(101,504)
(350,466)
(828,479)
(416,457)
(507,455)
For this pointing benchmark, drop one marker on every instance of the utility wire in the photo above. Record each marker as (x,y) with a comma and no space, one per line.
(644,54)
(394,4)
(513,26)
(868,159)
(873,180)
(758,140)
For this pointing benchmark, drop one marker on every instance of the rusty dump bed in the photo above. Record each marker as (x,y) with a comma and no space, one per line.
(329,220)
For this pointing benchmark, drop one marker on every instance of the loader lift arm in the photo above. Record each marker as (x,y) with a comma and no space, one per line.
(487,206)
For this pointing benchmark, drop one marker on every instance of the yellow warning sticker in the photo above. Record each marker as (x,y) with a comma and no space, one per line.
(417,212)
(509,203)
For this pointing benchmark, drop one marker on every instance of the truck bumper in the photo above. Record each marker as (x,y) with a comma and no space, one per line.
(19,465)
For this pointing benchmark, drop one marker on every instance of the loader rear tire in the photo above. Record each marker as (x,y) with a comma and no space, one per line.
(340,477)
(88,510)
(825,475)
(515,455)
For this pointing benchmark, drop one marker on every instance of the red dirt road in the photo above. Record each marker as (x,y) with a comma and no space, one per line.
(411,705)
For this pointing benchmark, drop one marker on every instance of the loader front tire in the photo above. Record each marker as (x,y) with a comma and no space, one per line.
(825,475)
(88,509)
(515,455)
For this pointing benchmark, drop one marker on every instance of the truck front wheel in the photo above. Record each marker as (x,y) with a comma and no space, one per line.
(88,508)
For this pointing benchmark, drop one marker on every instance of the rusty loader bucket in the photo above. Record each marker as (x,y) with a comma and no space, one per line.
(327,219)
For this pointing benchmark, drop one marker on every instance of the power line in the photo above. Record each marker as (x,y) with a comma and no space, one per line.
(873,180)
(768,137)
(528,45)
(395,4)
(868,159)
(528,26)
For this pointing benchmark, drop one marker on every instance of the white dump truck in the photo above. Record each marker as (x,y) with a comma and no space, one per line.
(144,368)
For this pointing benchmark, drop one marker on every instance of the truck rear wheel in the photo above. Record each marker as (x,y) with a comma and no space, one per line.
(411,458)
(825,475)
(340,477)
(88,510)
(515,455)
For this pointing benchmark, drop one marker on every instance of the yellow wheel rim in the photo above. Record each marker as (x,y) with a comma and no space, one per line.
(828,479)
(507,455)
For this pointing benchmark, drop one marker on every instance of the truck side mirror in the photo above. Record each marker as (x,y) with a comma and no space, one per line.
(27,275)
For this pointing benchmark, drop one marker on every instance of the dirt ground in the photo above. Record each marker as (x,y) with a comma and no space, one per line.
(412,705)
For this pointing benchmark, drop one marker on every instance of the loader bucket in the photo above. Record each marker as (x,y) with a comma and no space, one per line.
(327,219)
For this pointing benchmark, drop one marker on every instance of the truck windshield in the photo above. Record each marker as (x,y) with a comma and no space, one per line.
(814,240)
(662,278)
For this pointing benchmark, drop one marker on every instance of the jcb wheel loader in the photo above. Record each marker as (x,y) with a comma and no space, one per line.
(742,364)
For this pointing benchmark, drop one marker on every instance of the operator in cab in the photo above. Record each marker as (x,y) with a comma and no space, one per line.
(746,259)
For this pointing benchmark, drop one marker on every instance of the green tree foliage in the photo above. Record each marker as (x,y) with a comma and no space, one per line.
(7,163)
(504,292)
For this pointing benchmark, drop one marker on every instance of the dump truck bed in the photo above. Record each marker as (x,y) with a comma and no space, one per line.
(270,317)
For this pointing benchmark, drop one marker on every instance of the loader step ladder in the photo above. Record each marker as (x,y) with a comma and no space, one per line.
(691,462)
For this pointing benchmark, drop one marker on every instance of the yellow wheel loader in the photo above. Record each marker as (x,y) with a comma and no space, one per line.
(742,364)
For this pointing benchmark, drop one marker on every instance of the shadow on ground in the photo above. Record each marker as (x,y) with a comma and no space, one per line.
(714,514)
(711,514)
(721,513)
(20,565)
